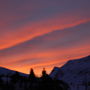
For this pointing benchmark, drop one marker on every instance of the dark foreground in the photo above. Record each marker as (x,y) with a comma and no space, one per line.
(17,82)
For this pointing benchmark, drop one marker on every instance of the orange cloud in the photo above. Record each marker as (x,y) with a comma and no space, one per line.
(47,59)
(35,29)
(49,50)
(43,34)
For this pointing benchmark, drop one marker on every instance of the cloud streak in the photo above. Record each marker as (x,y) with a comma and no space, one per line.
(36,33)
(55,47)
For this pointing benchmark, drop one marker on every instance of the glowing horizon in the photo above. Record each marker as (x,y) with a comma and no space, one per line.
(37,34)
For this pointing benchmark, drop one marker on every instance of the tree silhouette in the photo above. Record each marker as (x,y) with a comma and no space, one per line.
(44,74)
(32,75)
(32,80)
(45,82)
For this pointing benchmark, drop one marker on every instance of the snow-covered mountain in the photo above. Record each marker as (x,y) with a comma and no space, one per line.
(74,72)
(5,71)
(5,74)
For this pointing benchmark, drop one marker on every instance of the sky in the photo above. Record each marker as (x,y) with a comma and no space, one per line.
(43,33)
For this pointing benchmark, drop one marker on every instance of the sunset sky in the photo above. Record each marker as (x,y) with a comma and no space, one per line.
(43,33)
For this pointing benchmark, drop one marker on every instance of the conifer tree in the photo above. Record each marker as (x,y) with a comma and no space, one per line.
(32,74)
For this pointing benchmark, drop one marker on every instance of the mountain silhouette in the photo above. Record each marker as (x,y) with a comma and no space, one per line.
(74,72)
(5,71)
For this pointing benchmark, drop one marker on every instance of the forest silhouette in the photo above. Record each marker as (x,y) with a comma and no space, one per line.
(31,82)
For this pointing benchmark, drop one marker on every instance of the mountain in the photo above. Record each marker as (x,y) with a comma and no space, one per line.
(74,72)
(5,71)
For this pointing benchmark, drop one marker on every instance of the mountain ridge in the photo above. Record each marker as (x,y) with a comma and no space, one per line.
(72,69)
(6,71)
